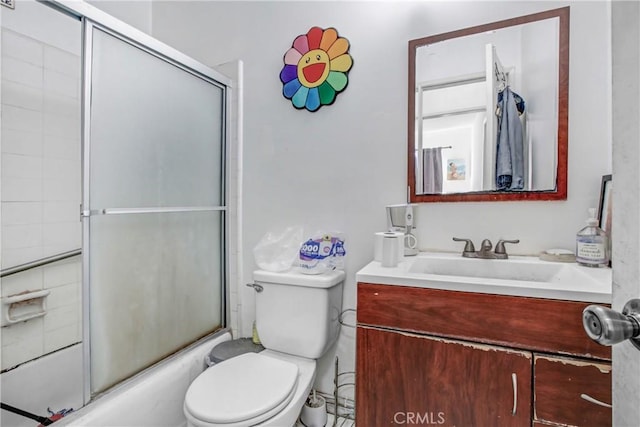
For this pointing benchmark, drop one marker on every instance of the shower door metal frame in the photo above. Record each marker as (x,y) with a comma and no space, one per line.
(92,18)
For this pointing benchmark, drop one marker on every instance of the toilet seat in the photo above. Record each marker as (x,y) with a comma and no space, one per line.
(244,390)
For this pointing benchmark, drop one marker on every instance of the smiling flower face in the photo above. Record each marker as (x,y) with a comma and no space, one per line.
(315,68)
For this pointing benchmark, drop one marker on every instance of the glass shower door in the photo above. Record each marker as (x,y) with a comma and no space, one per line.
(154,206)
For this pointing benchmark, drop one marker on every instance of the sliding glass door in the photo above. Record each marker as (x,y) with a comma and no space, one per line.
(154,205)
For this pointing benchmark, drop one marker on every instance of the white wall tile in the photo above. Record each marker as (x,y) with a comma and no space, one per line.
(21,119)
(64,296)
(61,212)
(30,280)
(13,257)
(14,213)
(61,328)
(21,342)
(20,166)
(19,95)
(62,234)
(61,84)
(62,148)
(21,142)
(61,125)
(17,71)
(21,236)
(61,190)
(62,273)
(61,337)
(17,46)
(62,317)
(58,168)
(61,105)
(62,62)
(21,189)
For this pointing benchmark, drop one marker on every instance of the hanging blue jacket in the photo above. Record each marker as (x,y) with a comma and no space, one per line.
(510,145)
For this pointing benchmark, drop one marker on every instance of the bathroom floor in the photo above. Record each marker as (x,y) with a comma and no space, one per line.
(341,422)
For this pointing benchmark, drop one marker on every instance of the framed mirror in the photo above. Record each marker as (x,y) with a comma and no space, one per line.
(488,111)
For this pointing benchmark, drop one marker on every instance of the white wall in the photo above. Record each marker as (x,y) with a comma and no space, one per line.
(136,13)
(338,167)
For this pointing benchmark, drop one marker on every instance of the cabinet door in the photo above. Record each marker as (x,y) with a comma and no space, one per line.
(572,392)
(405,379)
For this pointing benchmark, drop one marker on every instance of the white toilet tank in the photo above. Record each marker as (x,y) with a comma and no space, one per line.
(298,313)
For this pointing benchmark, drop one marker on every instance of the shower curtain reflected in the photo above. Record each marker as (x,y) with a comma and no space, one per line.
(154,206)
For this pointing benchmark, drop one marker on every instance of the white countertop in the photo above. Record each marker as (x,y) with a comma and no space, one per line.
(571,282)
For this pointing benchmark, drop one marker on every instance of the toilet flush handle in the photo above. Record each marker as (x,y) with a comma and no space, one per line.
(258,288)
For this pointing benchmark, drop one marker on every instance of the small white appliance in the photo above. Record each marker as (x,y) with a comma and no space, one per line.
(401,218)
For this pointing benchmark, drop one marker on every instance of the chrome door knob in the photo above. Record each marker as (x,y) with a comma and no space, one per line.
(608,327)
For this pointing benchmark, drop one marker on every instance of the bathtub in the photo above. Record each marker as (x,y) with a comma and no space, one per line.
(153,398)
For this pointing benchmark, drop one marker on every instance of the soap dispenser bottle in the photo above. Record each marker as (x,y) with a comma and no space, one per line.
(592,244)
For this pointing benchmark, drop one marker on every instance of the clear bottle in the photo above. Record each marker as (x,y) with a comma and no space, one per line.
(592,244)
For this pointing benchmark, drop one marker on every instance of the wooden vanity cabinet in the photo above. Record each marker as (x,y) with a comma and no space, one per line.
(449,358)
(446,382)
(572,391)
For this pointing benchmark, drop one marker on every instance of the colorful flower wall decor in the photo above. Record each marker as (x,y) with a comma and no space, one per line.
(315,68)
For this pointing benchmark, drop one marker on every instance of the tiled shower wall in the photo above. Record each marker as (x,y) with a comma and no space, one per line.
(41,188)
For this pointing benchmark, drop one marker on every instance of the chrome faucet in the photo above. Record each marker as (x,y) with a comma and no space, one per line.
(500,252)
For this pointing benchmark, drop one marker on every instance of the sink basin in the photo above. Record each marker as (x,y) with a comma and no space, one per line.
(519,275)
(487,268)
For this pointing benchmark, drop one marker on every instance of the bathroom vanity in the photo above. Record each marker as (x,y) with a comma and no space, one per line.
(474,349)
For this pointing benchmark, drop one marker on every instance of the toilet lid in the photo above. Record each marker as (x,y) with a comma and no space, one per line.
(241,388)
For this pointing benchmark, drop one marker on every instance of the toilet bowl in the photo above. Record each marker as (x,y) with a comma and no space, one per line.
(297,321)
(254,389)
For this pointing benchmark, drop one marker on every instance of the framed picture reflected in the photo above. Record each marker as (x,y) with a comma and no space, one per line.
(604,208)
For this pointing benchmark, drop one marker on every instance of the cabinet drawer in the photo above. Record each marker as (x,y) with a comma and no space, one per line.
(567,391)
(537,324)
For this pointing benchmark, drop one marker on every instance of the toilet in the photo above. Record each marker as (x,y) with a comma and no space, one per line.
(297,320)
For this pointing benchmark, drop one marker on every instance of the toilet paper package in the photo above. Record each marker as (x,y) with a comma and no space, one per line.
(324,251)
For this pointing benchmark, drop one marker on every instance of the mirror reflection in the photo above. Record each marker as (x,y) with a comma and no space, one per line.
(489,111)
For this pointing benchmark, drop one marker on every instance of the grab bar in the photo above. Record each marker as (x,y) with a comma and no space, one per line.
(39,263)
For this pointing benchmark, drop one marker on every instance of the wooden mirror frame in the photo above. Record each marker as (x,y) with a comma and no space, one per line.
(560,193)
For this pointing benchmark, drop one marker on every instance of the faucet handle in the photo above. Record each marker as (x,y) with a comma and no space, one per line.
(468,247)
(500,246)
